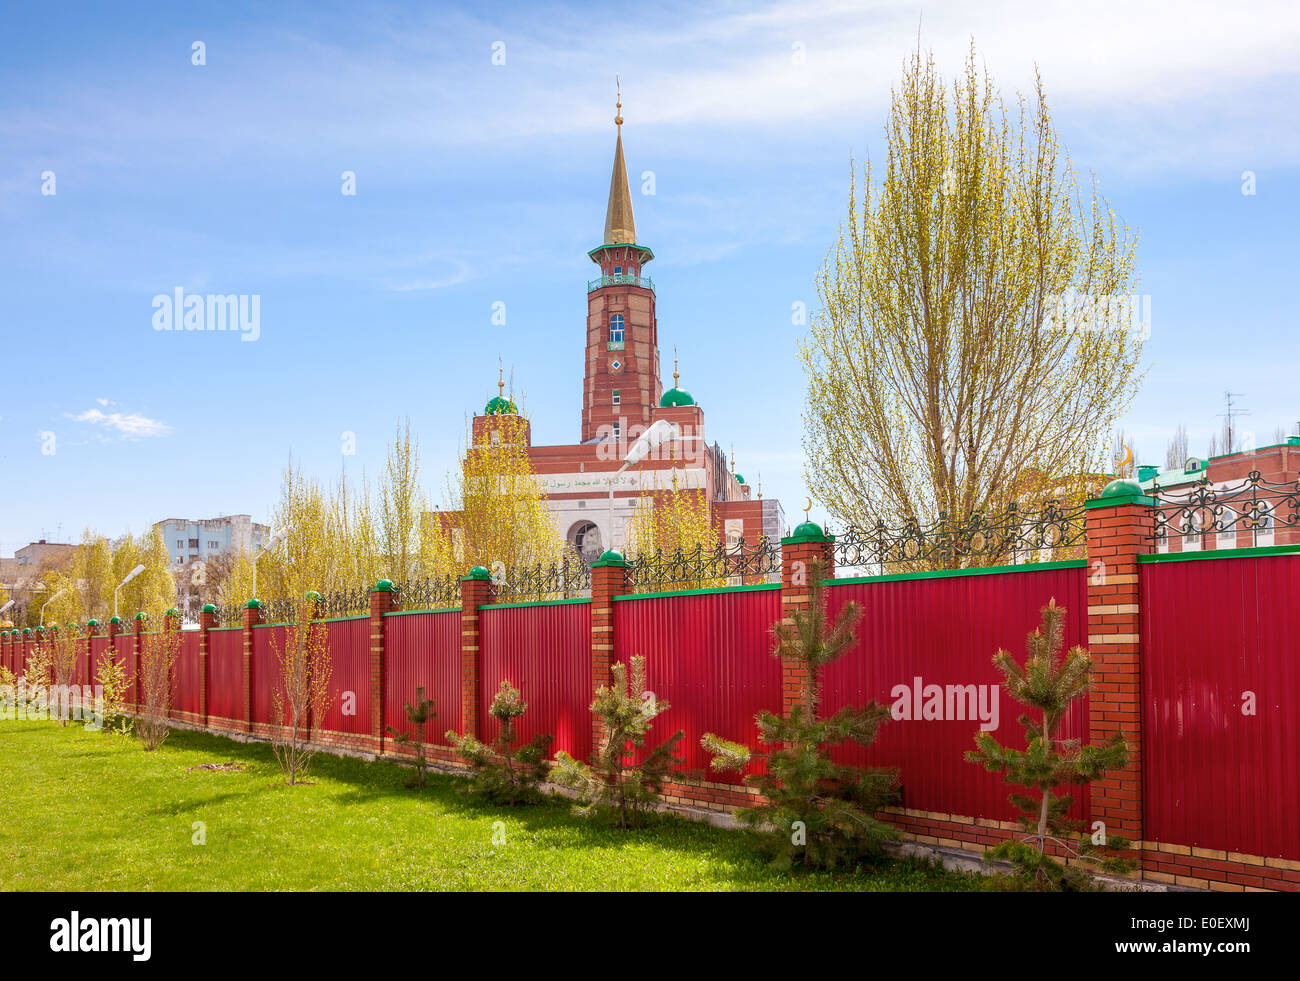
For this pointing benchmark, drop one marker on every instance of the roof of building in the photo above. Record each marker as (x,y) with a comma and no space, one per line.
(620,226)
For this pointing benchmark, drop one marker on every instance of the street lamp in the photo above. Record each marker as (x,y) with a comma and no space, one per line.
(129,576)
(275,540)
(660,432)
(48,602)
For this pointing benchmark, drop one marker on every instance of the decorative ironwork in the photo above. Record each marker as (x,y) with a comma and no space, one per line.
(230,616)
(1254,505)
(621,279)
(569,578)
(724,564)
(428,593)
(1014,535)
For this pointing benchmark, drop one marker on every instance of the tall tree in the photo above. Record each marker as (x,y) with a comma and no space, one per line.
(972,346)
(401,503)
(1176,452)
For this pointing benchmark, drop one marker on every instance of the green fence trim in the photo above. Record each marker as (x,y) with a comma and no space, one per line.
(215,629)
(751,587)
(355,616)
(515,606)
(950,573)
(1220,553)
(406,613)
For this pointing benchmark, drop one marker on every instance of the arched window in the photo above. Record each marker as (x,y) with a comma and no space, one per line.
(616,329)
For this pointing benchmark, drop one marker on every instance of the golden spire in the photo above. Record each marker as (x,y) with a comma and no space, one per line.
(620,226)
(760,486)
(733,458)
(501,378)
(675,375)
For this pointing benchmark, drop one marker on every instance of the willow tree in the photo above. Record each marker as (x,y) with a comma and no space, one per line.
(971,346)
(675,527)
(500,520)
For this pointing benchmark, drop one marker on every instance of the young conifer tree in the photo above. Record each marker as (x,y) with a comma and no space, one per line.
(615,780)
(505,773)
(817,812)
(1048,683)
(419,715)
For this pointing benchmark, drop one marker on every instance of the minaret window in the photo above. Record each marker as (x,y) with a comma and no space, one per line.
(618,398)
(616,329)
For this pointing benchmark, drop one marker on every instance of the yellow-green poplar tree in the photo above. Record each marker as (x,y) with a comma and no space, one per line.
(974,340)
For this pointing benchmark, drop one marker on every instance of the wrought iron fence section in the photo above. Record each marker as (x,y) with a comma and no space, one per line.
(1016,534)
(1254,505)
(569,578)
(724,564)
(428,593)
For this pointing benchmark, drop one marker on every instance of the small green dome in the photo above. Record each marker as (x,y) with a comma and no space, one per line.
(740,478)
(1122,488)
(501,406)
(809,528)
(92,622)
(675,397)
(209,608)
(115,620)
(383,586)
(478,572)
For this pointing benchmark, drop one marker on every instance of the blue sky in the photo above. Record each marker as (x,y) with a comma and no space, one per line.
(480,183)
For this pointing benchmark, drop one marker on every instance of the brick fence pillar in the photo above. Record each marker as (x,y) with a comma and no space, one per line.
(476,590)
(608,578)
(252,617)
(383,599)
(800,553)
(207,620)
(133,659)
(172,622)
(1119,530)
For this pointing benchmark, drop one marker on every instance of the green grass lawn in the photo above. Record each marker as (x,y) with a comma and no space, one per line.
(89,811)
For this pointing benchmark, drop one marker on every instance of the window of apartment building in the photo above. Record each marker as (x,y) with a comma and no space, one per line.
(213,544)
(180,543)
(194,544)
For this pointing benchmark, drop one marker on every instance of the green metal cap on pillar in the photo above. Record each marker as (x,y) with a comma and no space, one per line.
(1122,491)
(312,595)
(478,573)
(383,586)
(809,531)
(142,615)
(209,608)
(115,620)
(173,612)
(609,557)
(253,604)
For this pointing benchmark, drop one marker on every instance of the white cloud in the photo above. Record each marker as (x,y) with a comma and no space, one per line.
(128,425)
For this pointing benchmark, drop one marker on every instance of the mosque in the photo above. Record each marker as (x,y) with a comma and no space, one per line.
(622,396)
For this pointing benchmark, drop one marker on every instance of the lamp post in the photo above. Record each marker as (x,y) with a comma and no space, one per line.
(129,576)
(660,432)
(48,602)
(275,540)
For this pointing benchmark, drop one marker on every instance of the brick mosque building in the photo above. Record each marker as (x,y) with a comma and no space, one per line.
(622,396)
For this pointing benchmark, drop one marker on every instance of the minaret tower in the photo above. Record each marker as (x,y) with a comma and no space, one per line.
(621,386)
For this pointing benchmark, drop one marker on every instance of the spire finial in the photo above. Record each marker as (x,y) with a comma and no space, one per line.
(760,485)
(675,374)
(733,458)
(618,115)
(501,377)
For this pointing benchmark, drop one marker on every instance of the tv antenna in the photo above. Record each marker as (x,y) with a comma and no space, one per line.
(1229,420)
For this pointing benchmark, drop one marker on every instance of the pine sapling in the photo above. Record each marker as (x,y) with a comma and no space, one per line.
(418,714)
(817,812)
(615,779)
(1047,684)
(504,773)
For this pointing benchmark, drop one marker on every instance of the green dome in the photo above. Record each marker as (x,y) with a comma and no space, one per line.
(501,406)
(675,397)
(740,478)
(809,529)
